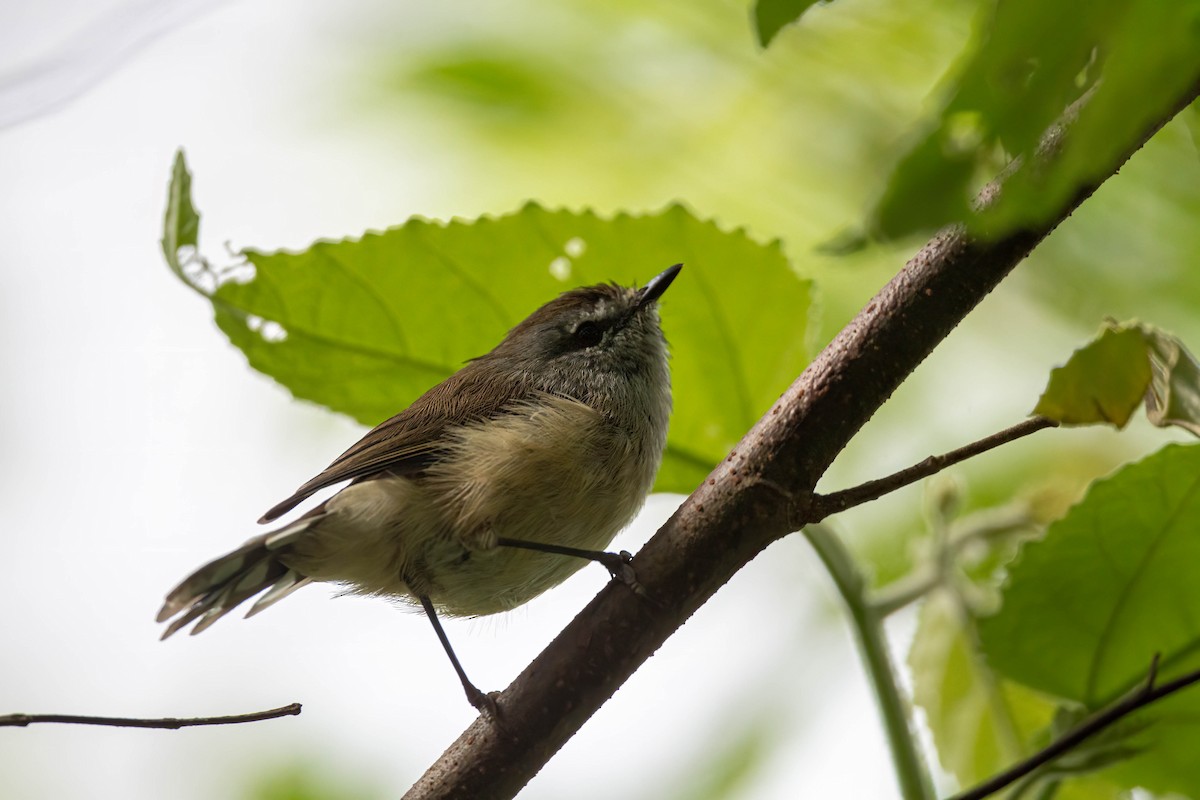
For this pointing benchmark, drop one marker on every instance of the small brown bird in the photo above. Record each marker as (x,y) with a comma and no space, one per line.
(492,487)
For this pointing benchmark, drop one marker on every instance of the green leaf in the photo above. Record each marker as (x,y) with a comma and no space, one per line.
(1173,397)
(181,224)
(1032,60)
(1143,55)
(364,326)
(979,721)
(1112,584)
(1103,382)
(772,16)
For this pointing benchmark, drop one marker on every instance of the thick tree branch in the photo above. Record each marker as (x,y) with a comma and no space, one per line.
(170,723)
(822,505)
(758,494)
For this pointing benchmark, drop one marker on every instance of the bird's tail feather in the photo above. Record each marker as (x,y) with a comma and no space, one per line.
(223,584)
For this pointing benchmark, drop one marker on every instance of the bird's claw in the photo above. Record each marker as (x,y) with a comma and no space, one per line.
(484,702)
(620,566)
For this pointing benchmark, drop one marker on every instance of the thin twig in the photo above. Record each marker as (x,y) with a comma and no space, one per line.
(170,723)
(1140,698)
(825,504)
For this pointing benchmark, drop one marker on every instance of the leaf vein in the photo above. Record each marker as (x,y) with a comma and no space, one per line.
(1108,631)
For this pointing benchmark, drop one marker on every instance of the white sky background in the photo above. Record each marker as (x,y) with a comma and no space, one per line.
(135,444)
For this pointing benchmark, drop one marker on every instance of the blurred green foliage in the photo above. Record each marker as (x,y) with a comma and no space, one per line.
(726,770)
(1132,58)
(978,719)
(311,779)
(627,106)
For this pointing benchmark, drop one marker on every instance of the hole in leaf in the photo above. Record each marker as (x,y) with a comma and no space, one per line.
(560,268)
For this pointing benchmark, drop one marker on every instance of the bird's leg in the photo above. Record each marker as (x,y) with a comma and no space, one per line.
(484,703)
(619,565)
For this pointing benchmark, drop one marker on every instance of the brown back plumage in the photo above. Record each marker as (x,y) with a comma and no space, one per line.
(407,442)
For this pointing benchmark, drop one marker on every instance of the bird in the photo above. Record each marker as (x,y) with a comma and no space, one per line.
(490,488)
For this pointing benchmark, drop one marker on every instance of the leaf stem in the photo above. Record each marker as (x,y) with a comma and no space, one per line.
(824,505)
(911,772)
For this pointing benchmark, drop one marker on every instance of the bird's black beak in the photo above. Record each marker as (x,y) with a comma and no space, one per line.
(657,285)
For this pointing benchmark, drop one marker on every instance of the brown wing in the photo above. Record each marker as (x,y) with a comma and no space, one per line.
(410,440)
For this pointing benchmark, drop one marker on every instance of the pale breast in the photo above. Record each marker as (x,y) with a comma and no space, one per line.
(558,473)
(562,474)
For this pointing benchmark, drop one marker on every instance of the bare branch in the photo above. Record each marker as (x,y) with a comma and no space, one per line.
(1145,695)
(824,505)
(739,509)
(170,723)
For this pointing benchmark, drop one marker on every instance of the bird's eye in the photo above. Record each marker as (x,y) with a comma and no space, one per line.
(587,334)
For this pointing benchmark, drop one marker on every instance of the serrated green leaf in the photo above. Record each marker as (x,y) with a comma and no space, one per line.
(1102,382)
(772,16)
(1113,583)
(181,223)
(364,326)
